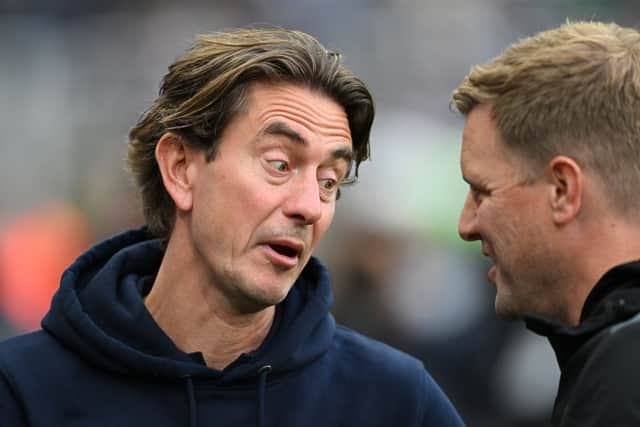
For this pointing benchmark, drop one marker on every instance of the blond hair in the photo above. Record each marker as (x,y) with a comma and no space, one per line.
(573,90)
(206,87)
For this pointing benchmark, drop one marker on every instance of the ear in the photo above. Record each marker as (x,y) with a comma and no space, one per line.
(174,158)
(565,194)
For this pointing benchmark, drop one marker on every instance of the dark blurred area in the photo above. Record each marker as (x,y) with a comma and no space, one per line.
(75,76)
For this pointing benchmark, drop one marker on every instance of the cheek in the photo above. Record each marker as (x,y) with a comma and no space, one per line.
(489,218)
(323,224)
(250,196)
(498,225)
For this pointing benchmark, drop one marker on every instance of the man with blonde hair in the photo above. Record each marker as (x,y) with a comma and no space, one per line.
(216,313)
(551,153)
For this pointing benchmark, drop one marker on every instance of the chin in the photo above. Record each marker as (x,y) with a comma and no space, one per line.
(261,300)
(506,311)
(273,299)
(254,305)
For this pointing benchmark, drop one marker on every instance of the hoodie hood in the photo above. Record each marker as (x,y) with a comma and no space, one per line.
(99,313)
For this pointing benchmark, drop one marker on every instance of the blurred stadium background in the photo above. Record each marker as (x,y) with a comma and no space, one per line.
(75,75)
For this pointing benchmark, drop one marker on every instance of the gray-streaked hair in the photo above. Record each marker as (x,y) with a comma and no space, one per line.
(207,86)
(572,90)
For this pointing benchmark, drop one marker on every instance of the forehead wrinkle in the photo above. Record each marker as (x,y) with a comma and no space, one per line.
(308,111)
(288,103)
(326,127)
(311,108)
(292,94)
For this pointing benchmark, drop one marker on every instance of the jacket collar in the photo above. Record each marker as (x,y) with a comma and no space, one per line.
(615,298)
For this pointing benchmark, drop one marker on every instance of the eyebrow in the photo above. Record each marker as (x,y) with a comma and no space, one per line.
(282,129)
(471,182)
(279,128)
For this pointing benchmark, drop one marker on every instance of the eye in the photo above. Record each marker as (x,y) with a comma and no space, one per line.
(477,194)
(329,189)
(279,165)
(329,184)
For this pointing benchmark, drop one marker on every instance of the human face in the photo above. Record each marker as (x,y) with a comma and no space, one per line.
(509,216)
(262,204)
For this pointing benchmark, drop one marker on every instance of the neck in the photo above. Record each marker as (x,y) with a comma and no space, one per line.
(194,314)
(608,243)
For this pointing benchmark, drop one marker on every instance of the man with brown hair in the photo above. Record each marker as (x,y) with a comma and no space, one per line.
(217,314)
(551,153)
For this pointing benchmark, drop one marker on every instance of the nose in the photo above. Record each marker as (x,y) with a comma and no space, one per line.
(303,201)
(468,222)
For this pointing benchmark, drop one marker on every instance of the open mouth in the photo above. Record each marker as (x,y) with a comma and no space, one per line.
(284,250)
(284,253)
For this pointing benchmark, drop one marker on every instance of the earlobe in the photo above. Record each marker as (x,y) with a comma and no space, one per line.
(565,195)
(173,161)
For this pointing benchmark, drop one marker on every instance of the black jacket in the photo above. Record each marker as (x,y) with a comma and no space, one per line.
(599,359)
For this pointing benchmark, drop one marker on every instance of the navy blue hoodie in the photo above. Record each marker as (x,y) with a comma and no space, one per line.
(101,360)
